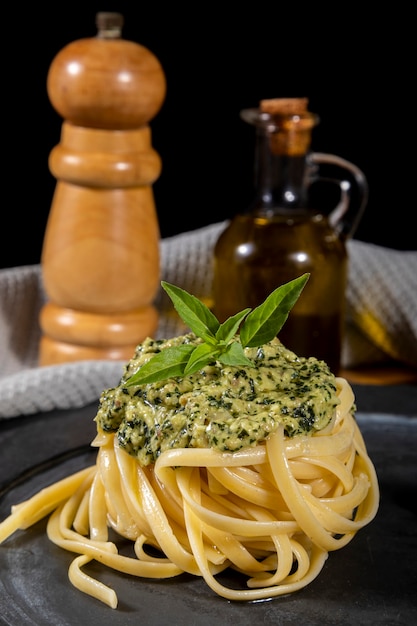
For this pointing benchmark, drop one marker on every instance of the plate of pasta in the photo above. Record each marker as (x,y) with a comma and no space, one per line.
(220,478)
(371,579)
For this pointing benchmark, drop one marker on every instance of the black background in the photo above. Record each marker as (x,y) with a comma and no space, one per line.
(356,69)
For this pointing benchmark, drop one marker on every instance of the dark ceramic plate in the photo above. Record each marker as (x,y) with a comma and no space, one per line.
(372,580)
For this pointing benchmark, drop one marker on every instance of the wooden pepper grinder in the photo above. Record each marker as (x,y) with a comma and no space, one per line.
(100,256)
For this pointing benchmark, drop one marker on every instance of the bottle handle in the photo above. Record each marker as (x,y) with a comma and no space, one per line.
(347,214)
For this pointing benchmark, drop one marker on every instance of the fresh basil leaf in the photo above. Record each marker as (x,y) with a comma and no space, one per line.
(201,356)
(257,327)
(234,355)
(264,323)
(168,363)
(193,312)
(229,328)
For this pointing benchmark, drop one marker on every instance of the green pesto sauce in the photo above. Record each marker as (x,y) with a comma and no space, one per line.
(227,408)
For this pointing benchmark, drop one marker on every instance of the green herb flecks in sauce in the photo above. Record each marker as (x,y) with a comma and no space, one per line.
(227,407)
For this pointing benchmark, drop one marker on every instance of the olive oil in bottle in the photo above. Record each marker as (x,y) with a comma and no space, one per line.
(281,236)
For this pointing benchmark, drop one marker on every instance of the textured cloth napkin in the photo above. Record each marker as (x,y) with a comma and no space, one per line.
(381,320)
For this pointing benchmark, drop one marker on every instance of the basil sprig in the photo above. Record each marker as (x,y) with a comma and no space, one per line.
(221,342)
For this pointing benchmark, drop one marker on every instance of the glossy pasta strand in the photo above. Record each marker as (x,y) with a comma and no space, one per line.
(90,585)
(272,512)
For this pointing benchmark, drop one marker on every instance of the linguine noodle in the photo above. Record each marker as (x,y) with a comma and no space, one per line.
(272,512)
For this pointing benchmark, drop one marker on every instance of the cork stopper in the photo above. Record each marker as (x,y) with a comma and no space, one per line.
(284,106)
(293,122)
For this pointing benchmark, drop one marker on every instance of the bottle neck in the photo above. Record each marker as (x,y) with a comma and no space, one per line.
(280,176)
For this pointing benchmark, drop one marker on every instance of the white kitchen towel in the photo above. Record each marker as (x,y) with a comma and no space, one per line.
(381,320)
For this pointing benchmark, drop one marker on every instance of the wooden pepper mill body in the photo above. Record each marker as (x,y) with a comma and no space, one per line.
(100,257)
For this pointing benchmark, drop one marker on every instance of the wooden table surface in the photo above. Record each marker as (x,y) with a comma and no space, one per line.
(385,374)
